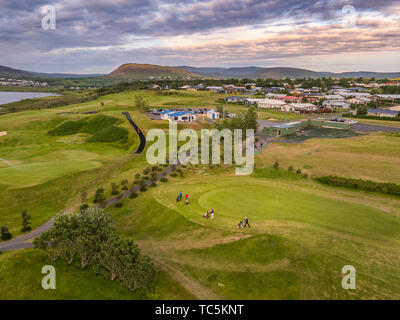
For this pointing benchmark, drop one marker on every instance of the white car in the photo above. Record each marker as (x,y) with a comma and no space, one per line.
(351,121)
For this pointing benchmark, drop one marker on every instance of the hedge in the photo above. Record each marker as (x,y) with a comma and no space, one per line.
(363,185)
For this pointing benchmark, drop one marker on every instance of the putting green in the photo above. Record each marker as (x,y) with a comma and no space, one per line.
(263,203)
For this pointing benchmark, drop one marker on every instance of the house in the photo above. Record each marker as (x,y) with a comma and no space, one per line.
(383,113)
(212,114)
(274,95)
(235,99)
(178,116)
(215,89)
(334,97)
(359,101)
(354,94)
(389,97)
(335,104)
(270,104)
(299,107)
(283,129)
(291,99)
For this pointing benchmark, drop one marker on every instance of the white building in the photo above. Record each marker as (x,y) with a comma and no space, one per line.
(212,114)
(298,107)
(178,116)
(271,104)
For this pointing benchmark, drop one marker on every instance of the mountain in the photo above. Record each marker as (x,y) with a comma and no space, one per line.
(135,71)
(7,71)
(16,73)
(282,72)
(240,72)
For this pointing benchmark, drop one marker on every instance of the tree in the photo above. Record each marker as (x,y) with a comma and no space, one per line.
(114,189)
(83,197)
(276,165)
(141,104)
(99,196)
(26,221)
(5,233)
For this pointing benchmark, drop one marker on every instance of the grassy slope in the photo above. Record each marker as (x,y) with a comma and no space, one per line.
(298,243)
(374,157)
(20,278)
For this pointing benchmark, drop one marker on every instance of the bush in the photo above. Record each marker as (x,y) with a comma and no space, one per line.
(164,180)
(84,207)
(298,171)
(125,188)
(137,182)
(115,192)
(133,195)
(143,189)
(174,175)
(363,185)
(26,229)
(153,185)
(119,205)
(5,233)
(290,169)
(276,165)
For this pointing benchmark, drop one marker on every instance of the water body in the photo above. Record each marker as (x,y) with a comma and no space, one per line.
(8,97)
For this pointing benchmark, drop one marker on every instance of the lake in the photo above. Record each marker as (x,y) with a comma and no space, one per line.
(8,97)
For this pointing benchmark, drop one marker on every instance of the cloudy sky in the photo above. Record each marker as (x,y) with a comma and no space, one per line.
(96,36)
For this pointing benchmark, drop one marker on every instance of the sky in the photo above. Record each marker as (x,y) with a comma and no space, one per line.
(97,36)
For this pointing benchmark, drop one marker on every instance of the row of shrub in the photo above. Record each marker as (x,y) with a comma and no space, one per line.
(363,185)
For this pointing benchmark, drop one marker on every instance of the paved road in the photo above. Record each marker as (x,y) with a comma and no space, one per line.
(363,127)
(142,144)
(25,240)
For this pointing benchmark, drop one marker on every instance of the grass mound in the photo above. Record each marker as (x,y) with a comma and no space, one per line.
(103,128)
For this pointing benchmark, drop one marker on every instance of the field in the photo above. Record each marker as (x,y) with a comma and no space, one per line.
(302,233)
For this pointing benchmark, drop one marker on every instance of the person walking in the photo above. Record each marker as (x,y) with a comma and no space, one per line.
(246,222)
(187,199)
(212,213)
(180,196)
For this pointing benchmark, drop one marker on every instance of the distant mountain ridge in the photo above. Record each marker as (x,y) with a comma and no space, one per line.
(11,72)
(133,71)
(284,72)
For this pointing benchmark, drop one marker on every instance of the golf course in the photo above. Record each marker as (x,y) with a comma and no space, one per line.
(302,233)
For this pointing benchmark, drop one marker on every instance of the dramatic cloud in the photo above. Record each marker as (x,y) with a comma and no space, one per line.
(98,35)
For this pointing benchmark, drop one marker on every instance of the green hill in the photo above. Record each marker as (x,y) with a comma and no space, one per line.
(145,71)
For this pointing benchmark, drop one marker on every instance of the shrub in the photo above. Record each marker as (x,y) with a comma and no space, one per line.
(298,171)
(276,165)
(115,192)
(5,233)
(119,205)
(137,182)
(305,175)
(143,189)
(137,176)
(153,185)
(133,195)
(164,180)
(84,207)
(174,175)
(291,169)
(125,188)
